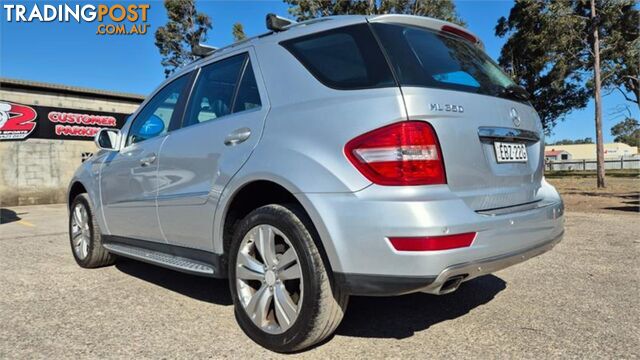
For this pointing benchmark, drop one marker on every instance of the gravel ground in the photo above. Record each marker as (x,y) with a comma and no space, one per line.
(580,300)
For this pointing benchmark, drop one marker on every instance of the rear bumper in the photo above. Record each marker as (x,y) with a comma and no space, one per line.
(355,228)
(477,268)
(445,282)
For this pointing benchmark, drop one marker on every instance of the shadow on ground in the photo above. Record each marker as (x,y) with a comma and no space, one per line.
(631,201)
(371,317)
(626,195)
(197,287)
(630,208)
(8,216)
(400,317)
(627,201)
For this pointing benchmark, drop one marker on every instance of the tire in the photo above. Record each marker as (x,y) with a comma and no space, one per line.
(90,254)
(320,306)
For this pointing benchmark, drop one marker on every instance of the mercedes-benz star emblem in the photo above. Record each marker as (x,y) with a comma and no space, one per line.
(515,117)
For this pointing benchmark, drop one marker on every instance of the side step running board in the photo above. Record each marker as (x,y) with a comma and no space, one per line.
(161,259)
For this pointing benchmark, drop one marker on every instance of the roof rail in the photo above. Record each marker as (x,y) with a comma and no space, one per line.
(202,50)
(278,23)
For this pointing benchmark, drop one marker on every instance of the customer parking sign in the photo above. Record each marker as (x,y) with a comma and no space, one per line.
(18,122)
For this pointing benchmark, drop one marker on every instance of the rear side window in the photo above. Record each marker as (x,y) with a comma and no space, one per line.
(213,94)
(248,96)
(427,58)
(343,58)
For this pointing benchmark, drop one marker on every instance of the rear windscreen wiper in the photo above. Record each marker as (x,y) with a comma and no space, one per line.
(515,92)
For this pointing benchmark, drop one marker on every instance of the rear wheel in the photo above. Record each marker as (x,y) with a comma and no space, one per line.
(85,235)
(283,296)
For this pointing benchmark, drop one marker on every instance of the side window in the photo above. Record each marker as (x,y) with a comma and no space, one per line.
(155,117)
(248,96)
(343,58)
(214,90)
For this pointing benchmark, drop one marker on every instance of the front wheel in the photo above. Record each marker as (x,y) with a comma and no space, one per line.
(283,296)
(85,235)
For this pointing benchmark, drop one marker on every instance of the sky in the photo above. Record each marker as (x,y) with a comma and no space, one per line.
(73,54)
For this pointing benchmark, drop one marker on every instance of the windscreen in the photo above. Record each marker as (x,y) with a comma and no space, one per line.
(428,58)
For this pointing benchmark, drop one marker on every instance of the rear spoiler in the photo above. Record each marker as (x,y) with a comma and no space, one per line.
(431,23)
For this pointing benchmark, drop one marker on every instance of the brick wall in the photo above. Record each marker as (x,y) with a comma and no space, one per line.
(37,171)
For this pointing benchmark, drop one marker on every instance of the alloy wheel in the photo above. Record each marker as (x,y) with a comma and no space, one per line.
(80,231)
(269,279)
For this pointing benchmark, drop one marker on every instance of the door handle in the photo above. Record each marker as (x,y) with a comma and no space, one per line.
(148,160)
(238,136)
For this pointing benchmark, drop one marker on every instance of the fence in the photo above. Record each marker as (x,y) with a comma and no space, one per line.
(582,165)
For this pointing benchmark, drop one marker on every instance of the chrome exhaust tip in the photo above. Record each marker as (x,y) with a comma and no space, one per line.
(451,284)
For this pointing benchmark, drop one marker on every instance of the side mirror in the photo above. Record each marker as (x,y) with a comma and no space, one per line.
(151,128)
(108,139)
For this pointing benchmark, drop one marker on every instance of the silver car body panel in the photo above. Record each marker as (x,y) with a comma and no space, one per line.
(472,171)
(128,191)
(196,164)
(360,224)
(297,141)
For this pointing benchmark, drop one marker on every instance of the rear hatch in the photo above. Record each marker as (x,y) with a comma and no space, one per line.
(488,132)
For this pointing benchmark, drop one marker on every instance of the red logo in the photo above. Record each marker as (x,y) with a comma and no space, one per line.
(16,121)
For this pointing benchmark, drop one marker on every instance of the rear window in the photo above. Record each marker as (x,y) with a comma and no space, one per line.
(343,58)
(423,57)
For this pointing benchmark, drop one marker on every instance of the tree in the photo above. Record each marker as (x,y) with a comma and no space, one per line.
(564,52)
(438,9)
(186,28)
(627,131)
(309,9)
(238,32)
(594,62)
(621,53)
(586,140)
(533,56)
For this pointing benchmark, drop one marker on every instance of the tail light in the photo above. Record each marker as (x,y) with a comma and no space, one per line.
(404,153)
(432,243)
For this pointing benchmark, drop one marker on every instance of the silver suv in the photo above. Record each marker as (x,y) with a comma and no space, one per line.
(354,155)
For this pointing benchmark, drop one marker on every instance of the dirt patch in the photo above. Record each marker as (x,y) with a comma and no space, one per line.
(581,194)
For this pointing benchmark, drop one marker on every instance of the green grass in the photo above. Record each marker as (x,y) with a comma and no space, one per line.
(626,173)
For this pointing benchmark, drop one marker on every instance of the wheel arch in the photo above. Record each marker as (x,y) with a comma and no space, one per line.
(76,188)
(263,191)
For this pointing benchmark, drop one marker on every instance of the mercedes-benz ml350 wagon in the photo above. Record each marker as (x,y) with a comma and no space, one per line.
(355,155)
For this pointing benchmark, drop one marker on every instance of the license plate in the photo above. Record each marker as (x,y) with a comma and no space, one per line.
(510,152)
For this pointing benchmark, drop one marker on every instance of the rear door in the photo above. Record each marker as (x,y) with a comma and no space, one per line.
(474,108)
(221,126)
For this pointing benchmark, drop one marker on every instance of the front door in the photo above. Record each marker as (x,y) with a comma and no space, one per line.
(129,178)
(222,125)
